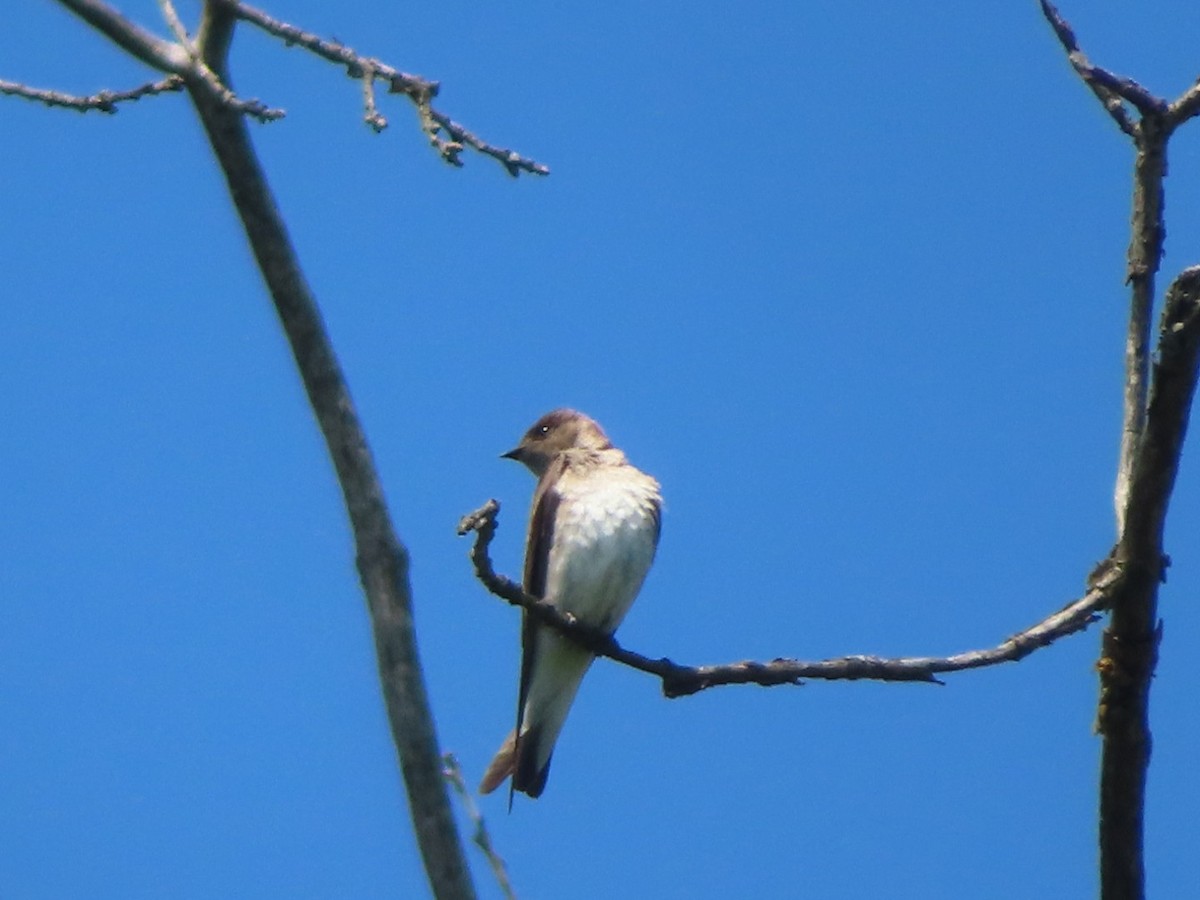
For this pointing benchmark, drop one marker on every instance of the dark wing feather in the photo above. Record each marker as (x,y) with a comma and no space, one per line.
(541,536)
(656,512)
(537,561)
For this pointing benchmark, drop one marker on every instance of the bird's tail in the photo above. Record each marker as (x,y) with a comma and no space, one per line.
(502,766)
(560,667)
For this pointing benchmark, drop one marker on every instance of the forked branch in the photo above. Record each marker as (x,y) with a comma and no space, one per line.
(185,60)
(1157,405)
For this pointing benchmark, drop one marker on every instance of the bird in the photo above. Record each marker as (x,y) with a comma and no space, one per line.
(593,532)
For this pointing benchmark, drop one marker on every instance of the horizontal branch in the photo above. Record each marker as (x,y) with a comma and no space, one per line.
(420,91)
(104,101)
(332,51)
(679,680)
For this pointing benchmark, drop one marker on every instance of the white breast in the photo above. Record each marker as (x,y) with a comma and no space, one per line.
(605,534)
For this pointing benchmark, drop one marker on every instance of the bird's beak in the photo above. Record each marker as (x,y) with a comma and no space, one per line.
(516,453)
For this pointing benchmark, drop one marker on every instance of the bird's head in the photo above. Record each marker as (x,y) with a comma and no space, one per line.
(562,429)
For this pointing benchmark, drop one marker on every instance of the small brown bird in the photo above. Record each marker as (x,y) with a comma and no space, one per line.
(593,531)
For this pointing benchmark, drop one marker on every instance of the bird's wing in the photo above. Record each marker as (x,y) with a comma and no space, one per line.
(537,563)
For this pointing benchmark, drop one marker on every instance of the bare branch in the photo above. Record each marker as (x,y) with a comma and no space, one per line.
(1150,134)
(214,37)
(333,51)
(371,116)
(420,92)
(382,560)
(1130,650)
(200,69)
(1175,373)
(1185,106)
(177,59)
(480,837)
(1111,90)
(131,37)
(105,101)
(1155,422)
(176,25)
(188,59)
(679,680)
(1143,260)
(510,159)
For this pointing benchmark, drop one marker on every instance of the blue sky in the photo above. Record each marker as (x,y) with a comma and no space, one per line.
(847,278)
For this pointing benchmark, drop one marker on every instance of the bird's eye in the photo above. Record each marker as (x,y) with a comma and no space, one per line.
(544,430)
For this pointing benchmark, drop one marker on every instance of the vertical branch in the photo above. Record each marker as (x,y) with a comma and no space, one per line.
(1153,429)
(1130,643)
(1149,131)
(1145,253)
(382,560)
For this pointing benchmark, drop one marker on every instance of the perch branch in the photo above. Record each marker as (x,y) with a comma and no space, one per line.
(680,680)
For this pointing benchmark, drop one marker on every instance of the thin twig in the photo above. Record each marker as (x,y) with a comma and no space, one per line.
(371,115)
(679,680)
(479,836)
(420,91)
(104,101)
(510,159)
(333,51)
(171,17)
